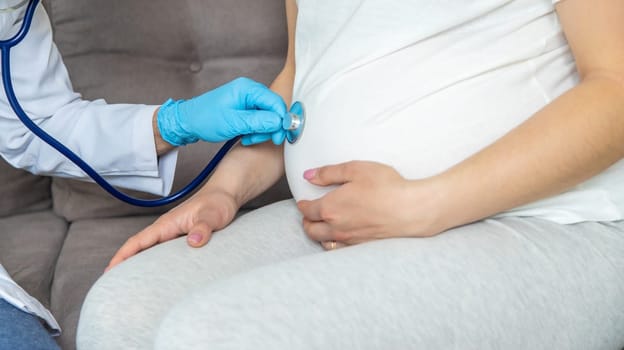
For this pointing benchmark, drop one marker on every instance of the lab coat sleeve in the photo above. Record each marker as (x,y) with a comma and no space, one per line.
(115,139)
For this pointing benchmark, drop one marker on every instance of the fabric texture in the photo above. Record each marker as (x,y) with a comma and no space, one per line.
(30,245)
(88,247)
(13,294)
(512,283)
(428,84)
(22,192)
(22,331)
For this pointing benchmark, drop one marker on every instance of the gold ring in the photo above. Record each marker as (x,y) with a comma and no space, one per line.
(332,245)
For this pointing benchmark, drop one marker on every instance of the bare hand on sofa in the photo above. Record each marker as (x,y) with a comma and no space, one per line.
(208,210)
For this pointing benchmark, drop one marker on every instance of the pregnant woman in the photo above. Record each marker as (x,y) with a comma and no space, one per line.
(460,162)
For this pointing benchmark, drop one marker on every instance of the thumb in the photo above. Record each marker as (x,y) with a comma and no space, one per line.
(331,174)
(278,137)
(258,96)
(252,139)
(199,235)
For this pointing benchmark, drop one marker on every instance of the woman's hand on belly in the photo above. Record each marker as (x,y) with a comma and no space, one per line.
(372,201)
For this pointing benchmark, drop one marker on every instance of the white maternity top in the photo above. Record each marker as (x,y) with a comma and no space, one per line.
(423,84)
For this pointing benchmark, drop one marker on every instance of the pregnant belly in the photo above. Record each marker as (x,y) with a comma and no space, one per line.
(419,138)
(332,137)
(414,141)
(327,140)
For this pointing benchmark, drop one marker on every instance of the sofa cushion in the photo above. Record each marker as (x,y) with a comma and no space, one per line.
(21,191)
(150,50)
(30,246)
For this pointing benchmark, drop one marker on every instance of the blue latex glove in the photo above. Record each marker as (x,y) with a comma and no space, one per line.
(277,137)
(240,107)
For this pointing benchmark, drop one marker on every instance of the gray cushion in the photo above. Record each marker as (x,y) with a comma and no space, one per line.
(89,246)
(21,191)
(29,249)
(121,53)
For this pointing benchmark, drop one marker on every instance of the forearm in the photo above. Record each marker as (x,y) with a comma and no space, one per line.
(572,139)
(247,171)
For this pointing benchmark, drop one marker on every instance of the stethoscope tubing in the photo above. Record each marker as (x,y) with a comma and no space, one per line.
(5,47)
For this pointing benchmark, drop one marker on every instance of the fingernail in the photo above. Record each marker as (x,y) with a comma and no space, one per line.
(194,238)
(309,174)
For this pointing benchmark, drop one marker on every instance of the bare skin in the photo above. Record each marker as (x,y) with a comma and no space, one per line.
(570,140)
(161,145)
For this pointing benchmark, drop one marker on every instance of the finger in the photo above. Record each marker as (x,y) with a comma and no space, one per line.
(261,97)
(132,246)
(278,137)
(331,175)
(332,245)
(319,231)
(128,249)
(146,238)
(252,139)
(254,122)
(199,235)
(311,210)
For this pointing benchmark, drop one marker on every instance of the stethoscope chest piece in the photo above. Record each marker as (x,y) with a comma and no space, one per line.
(295,124)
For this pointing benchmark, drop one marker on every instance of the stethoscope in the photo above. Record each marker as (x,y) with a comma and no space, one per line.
(293,126)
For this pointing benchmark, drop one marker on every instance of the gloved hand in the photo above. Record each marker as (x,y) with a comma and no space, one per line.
(240,107)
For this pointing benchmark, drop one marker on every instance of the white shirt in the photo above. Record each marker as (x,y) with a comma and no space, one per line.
(422,85)
(116,140)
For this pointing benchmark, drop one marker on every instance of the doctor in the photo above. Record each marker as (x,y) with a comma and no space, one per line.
(147,163)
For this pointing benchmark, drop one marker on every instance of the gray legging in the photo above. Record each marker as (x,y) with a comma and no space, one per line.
(510,283)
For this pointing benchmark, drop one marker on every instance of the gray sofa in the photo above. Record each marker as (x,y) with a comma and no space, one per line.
(57,235)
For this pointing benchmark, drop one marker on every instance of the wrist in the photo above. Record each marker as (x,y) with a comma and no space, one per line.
(264,161)
(221,205)
(458,199)
(161,145)
(169,124)
(427,204)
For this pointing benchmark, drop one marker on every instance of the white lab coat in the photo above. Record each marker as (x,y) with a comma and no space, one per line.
(116,140)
